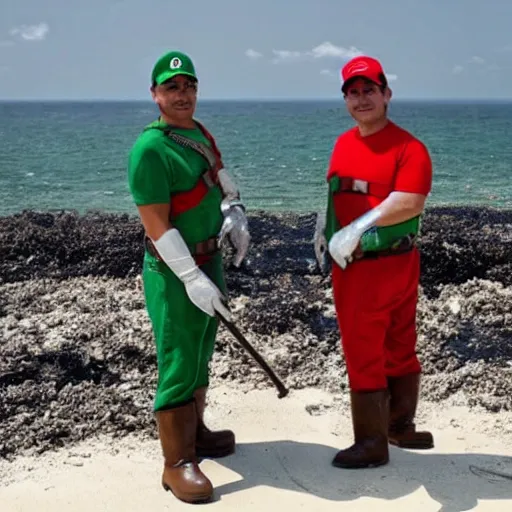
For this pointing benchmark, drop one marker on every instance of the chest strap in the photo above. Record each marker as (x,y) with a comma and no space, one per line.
(184,201)
(345,184)
(189,199)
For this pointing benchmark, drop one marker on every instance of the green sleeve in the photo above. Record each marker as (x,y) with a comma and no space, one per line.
(331,222)
(149,176)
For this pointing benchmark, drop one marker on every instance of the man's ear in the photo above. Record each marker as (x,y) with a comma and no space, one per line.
(388,94)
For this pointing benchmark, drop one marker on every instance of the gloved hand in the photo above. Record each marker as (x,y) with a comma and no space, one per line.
(236,226)
(201,290)
(320,243)
(204,294)
(344,243)
(235,223)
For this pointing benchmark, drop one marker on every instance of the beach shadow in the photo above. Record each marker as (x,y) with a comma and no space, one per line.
(456,481)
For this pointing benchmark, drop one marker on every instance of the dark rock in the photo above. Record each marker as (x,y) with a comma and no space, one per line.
(77,352)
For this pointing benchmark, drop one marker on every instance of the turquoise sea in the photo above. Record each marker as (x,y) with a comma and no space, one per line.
(72,155)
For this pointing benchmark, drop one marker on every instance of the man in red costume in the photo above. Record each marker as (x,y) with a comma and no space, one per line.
(379,177)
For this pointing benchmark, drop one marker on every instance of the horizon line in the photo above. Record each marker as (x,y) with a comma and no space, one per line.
(249,99)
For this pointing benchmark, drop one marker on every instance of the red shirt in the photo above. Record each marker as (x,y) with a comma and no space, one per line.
(390,157)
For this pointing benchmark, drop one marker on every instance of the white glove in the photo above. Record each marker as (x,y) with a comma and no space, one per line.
(235,223)
(343,244)
(236,226)
(345,241)
(200,289)
(320,242)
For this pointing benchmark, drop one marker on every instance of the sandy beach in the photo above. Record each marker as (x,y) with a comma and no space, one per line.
(77,372)
(282,462)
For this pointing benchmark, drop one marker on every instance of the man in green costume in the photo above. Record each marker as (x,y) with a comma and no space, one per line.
(187,203)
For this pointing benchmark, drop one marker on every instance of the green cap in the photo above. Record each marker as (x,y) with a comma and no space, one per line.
(172,64)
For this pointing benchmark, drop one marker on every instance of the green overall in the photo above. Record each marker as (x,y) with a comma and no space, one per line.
(159,170)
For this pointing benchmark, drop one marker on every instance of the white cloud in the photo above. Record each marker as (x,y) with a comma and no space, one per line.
(458,69)
(391,77)
(323,50)
(285,56)
(327,72)
(328,49)
(31,32)
(253,54)
(477,60)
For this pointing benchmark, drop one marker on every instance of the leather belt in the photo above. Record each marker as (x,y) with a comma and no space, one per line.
(406,244)
(205,248)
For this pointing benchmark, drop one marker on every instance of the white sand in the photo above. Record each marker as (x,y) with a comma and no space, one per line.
(282,463)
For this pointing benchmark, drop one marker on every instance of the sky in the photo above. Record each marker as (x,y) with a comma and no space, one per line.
(264,49)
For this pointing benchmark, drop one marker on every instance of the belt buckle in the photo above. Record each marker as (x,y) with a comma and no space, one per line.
(207,247)
(360,186)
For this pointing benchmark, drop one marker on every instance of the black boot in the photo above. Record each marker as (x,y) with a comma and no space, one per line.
(370,423)
(182,474)
(404,392)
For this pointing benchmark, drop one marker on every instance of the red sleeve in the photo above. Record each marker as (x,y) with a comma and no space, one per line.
(414,173)
(333,158)
(215,149)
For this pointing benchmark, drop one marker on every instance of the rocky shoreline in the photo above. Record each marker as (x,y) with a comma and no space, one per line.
(77,356)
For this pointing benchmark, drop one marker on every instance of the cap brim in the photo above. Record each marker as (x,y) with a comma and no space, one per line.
(171,74)
(352,79)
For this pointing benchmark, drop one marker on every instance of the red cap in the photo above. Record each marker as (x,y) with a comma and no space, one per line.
(362,67)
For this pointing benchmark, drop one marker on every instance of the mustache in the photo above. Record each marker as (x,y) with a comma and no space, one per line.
(182,104)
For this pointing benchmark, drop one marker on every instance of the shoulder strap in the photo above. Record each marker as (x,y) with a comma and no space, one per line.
(211,155)
(210,138)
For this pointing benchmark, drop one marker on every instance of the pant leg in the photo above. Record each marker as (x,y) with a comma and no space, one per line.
(401,338)
(214,270)
(363,322)
(375,303)
(183,335)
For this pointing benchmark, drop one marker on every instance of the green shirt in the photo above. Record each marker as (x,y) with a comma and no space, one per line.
(158,167)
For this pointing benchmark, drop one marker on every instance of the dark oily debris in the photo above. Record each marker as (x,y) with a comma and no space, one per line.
(457,244)
(78,356)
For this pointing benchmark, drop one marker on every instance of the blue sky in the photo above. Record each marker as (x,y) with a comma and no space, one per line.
(104,49)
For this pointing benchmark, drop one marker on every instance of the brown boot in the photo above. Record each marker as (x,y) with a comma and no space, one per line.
(370,422)
(211,444)
(404,393)
(182,475)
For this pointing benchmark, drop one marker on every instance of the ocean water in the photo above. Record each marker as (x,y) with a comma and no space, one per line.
(64,155)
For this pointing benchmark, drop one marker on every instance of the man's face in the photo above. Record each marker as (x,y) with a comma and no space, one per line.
(365,101)
(177,97)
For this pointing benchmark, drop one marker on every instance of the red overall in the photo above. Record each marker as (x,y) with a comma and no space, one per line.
(375,299)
